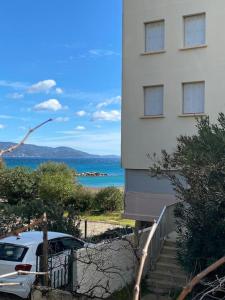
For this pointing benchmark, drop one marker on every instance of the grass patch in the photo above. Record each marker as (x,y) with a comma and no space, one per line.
(112,218)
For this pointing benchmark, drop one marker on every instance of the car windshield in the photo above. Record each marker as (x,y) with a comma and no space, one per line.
(12,252)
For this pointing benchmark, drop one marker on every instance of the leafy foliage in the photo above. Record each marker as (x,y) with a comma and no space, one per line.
(82,199)
(28,194)
(109,199)
(197,172)
(18,184)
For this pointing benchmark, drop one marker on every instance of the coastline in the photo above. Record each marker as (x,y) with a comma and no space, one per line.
(108,166)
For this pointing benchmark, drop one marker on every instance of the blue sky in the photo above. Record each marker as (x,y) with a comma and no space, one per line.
(62,60)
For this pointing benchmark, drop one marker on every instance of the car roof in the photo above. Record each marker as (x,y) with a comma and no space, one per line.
(32,237)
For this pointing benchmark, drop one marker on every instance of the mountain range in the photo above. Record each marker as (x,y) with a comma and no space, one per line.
(28,150)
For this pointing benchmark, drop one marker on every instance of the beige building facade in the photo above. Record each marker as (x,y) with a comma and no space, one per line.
(173,71)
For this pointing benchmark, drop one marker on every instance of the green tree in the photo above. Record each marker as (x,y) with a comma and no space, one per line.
(28,194)
(197,172)
(17,184)
(109,199)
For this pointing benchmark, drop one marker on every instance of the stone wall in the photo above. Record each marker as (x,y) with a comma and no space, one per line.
(107,267)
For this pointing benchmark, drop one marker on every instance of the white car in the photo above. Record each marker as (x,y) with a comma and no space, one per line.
(23,253)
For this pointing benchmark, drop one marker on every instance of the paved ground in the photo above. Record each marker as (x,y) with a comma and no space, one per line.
(96,228)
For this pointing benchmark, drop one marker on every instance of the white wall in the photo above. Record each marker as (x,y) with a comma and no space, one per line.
(112,265)
(172,68)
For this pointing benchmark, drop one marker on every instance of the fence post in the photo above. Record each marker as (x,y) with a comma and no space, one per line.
(85,228)
(70,270)
(45,249)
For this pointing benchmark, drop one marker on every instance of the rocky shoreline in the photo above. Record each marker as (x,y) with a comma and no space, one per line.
(92,174)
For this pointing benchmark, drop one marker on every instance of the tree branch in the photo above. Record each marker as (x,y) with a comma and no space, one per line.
(14,147)
(188,289)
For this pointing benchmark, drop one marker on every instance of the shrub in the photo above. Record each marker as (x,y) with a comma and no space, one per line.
(200,183)
(28,194)
(109,199)
(83,200)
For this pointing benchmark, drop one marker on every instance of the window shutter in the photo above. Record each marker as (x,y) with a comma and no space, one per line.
(154,36)
(193,97)
(194,30)
(153,102)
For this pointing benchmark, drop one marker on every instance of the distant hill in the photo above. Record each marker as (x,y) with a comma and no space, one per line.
(29,150)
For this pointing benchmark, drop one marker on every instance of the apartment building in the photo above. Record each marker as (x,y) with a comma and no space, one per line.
(173,71)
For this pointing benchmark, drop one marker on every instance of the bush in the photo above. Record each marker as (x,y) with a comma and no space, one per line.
(200,183)
(109,199)
(28,194)
(83,200)
(17,184)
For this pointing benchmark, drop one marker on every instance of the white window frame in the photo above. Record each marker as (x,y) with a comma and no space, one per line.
(183,98)
(144,91)
(148,49)
(194,45)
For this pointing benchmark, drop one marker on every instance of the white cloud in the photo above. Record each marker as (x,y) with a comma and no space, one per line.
(59,91)
(113,115)
(92,142)
(107,102)
(81,113)
(2,126)
(79,127)
(15,96)
(61,119)
(6,117)
(102,52)
(42,86)
(51,105)
(13,84)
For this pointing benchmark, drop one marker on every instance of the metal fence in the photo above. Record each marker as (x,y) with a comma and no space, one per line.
(165,225)
(59,269)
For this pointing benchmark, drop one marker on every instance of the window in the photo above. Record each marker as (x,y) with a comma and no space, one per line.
(153,100)
(194,30)
(193,97)
(72,243)
(12,252)
(154,36)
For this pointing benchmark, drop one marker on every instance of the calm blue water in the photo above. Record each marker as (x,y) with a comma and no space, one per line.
(111,166)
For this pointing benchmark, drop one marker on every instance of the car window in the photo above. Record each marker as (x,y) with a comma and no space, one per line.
(59,245)
(12,252)
(54,247)
(72,243)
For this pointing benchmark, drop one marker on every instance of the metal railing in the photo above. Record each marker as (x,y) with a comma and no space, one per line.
(58,268)
(164,226)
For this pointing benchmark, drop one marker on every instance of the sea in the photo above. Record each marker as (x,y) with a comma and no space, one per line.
(110,166)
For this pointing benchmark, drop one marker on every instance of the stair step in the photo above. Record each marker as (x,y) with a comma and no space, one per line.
(163,292)
(168,276)
(167,258)
(161,266)
(156,296)
(170,243)
(169,250)
(164,285)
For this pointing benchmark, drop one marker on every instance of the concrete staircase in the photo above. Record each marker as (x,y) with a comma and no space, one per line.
(168,276)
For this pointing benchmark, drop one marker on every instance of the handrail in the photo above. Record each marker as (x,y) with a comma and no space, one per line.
(154,243)
(165,225)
